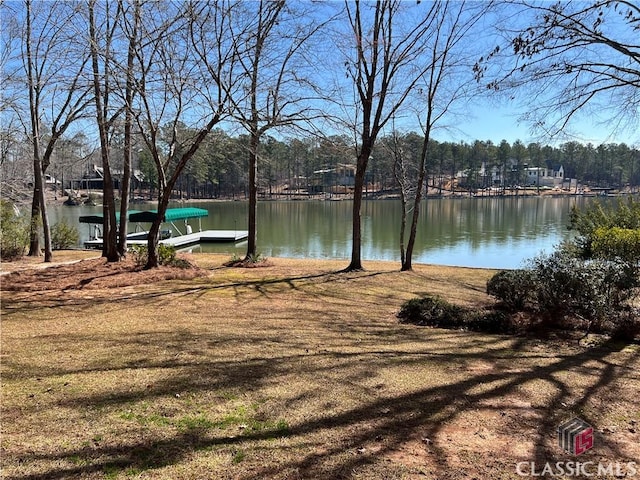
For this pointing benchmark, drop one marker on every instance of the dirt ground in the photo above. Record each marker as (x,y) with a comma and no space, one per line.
(291,371)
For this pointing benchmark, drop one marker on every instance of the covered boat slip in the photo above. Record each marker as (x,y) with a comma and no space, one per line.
(172,215)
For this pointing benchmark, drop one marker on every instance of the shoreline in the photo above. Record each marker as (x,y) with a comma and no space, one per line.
(75,255)
(60,200)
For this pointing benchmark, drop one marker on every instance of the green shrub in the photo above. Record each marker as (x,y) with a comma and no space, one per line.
(139,254)
(63,236)
(561,289)
(627,325)
(593,289)
(513,288)
(493,321)
(14,232)
(433,311)
(593,279)
(586,221)
(250,261)
(617,242)
(167,255)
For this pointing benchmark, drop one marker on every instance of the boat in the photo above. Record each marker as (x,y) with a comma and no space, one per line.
(171,235)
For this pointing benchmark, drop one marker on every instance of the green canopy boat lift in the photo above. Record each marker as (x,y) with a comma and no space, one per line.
(172,215)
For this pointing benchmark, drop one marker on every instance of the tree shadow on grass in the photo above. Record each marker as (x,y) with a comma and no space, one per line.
(385,422)
(342,440)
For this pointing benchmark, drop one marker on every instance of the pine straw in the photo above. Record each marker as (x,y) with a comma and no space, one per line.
(94,273)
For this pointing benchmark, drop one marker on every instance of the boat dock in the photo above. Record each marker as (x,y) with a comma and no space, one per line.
(167,237)
(206,236)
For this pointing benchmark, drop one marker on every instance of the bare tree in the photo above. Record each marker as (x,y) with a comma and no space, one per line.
(573,58)
(57,95)
(404,173)
(131,26)
(383,64)
(113,30)
(276,88)
(447,81)
(179,85)
(102,66)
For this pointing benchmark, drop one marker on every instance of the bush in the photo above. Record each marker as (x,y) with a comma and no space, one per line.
(624,215)
(167,255)
(617,242)
(63,236)
(560,287)
(627,326)
(494,321)
(14,232)
(594,278)
(139,254)
(251,261)
(433,311)
(513,288)
(593,289)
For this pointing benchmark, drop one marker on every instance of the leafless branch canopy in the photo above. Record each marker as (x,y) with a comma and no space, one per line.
(573,58)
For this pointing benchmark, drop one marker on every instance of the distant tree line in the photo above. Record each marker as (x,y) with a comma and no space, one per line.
(294,165)
(290,166)
(219,169)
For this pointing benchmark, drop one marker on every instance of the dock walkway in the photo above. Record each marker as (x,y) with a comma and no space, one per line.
(206,236)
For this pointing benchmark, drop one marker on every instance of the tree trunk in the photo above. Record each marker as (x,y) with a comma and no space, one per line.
(253,196)
(128,135)
(110,230)
(37,203)
(39,215)
(48,254)
(407,263)
(124,192)
(34,235)
(422,174)
(153,260)
(358,188)
(403,213)
(152,245)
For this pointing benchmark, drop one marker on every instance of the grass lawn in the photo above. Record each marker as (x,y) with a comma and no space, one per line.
(291,371)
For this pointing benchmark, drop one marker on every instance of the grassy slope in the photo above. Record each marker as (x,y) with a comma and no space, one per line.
(292,371)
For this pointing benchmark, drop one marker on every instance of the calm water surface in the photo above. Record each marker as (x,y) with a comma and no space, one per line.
(474,232)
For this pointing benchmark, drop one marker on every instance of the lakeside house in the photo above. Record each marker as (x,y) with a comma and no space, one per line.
(513,173)
(548,176)
(93,179)
(331,179)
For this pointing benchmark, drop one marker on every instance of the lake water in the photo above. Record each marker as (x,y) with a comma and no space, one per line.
(474,232)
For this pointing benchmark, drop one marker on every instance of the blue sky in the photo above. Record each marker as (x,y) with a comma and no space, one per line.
(495,123)
(494,119)
(498,117)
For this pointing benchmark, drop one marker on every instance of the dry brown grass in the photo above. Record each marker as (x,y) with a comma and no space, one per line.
(290,371)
